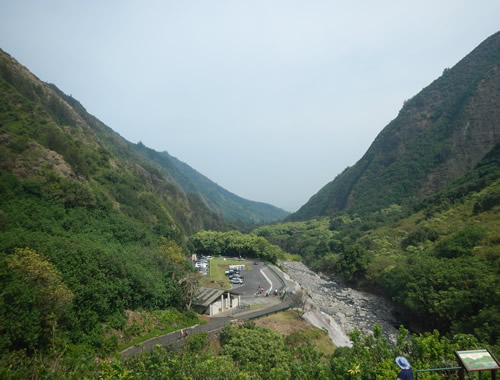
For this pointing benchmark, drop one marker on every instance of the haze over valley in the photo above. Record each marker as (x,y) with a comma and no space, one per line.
(270,101)
(151,153)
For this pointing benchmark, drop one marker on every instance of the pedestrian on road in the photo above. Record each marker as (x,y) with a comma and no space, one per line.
(182,333)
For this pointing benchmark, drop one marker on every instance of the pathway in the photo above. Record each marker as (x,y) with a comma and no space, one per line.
(175,339)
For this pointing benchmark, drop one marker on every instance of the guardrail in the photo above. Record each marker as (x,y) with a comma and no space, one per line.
(174,339)
(270,313)
(448,369)
(283,285)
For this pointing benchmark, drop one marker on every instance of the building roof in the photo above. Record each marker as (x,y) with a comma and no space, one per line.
(205,296)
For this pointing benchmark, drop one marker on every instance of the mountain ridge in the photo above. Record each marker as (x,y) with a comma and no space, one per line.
(66,118)
(438,135)
(217,198)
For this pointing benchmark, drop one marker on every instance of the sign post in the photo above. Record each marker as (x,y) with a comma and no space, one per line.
(478,360)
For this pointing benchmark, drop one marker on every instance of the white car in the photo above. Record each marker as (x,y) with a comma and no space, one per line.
(236,280)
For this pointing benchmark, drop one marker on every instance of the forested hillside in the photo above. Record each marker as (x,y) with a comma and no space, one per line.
(438,136)
(89,227)
(439,260)
(232,207)
(94,234)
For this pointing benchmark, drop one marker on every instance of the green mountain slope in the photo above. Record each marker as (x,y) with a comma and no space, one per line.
(218,199)
(438,136)
(43,129)
(88,226)
(438,260)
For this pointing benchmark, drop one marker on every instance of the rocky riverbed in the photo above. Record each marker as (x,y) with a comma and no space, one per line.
(347,307)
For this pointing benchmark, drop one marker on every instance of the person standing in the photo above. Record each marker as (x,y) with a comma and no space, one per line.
(406,372)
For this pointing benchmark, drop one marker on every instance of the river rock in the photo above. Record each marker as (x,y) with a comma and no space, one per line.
(347,307)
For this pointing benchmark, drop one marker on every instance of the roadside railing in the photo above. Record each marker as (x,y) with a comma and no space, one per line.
(459,372)
(269,313)
(283,285)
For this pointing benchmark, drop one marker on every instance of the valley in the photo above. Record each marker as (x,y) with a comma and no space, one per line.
(96,233)
(348,308)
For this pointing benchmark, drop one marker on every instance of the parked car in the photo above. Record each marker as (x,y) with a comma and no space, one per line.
(236,280)
(235,276)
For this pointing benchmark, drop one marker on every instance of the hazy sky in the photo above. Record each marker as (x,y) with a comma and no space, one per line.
(270,99)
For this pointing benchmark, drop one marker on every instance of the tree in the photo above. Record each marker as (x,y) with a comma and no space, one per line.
(354,262)
(173,255)
(259,350)
(33,300)
(189,285)
(299,300)
(460,243)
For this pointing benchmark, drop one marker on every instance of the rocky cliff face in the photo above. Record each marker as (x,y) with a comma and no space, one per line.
(438,136)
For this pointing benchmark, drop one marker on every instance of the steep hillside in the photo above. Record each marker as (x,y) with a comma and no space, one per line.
(88,227)
(438,260)
(43,129)
(438,136)
(218,199)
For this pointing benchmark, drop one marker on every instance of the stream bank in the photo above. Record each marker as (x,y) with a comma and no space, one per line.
(340,308)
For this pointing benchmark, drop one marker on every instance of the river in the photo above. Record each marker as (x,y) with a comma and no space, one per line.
(339,308)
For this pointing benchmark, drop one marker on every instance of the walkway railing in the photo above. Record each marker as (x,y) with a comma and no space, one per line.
(269,313)
(460,373)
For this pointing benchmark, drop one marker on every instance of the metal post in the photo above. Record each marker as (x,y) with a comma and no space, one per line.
(461,374)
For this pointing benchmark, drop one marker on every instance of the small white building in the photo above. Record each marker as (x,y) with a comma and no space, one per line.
(213,301)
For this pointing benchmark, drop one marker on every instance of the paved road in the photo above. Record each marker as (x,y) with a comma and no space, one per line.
(253,278)
(260,274)
(176,339)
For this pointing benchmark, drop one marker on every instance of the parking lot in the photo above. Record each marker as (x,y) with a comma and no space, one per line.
(259,274)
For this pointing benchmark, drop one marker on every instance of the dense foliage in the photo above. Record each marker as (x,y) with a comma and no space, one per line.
(89,228)
(241,212)
(438,261)
(235,244)
(251,352)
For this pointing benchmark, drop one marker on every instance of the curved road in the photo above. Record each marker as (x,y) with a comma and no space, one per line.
(260,274)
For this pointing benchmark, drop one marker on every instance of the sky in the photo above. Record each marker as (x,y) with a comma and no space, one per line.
(271,99)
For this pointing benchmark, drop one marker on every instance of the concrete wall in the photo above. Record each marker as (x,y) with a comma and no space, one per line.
(225,302)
